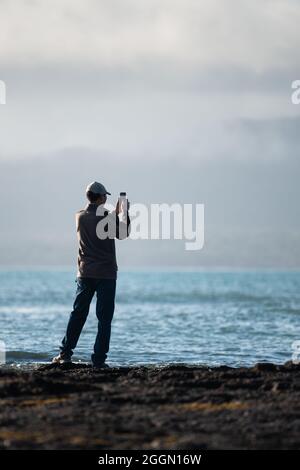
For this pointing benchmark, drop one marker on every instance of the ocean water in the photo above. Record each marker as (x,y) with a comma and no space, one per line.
(194,317)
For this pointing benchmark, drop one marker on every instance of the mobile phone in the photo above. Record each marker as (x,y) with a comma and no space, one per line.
(123,201)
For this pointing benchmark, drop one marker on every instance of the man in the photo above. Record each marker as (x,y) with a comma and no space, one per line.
(97,273)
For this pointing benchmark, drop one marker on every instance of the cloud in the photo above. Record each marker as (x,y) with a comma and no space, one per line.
(143,77)
(257,34)
(158,111)
(151,97)
(251,201)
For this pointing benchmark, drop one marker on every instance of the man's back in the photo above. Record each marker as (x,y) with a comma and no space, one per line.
(96,258)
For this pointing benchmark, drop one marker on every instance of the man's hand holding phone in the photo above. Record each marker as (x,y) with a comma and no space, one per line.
(122,204)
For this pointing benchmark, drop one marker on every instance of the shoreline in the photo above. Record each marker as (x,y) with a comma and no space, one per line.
(176,406)
(32,366)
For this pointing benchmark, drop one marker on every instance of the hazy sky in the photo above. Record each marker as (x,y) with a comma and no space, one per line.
(171,100)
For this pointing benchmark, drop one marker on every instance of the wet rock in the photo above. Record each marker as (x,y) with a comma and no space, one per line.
(175,407)
(265,367)
(279,386)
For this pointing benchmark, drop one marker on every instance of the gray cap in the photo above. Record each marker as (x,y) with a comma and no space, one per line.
(97,188)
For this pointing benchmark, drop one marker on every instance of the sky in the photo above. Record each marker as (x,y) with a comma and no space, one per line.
(170,100)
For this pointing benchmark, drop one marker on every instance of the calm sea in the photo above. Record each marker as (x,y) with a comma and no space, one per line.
(212,318)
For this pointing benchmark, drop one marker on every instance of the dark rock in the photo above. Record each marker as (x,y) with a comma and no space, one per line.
(265,367)
(175,407)
(278,386)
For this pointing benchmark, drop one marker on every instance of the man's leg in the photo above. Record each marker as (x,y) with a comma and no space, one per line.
(84,295)
(106,290)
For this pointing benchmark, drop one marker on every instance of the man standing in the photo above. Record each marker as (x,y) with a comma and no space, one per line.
(97,273)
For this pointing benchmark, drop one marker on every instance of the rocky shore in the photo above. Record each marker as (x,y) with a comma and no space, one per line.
(172,407)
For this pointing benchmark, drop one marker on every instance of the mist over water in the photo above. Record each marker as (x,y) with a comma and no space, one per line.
(196,317)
